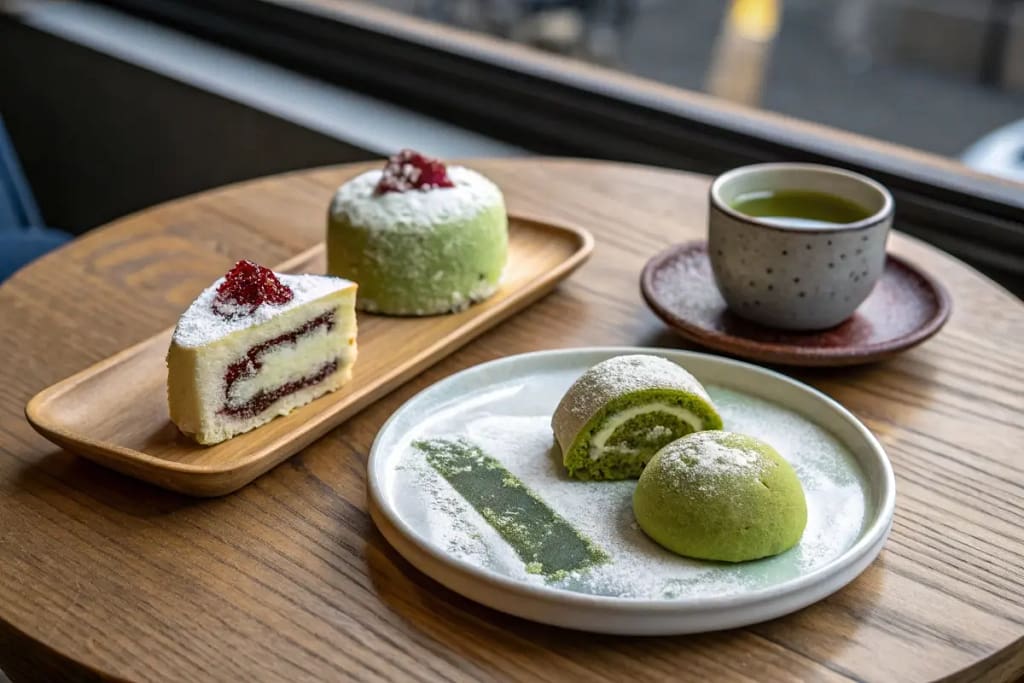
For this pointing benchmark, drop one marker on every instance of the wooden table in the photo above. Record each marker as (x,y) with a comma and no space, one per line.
(288,579)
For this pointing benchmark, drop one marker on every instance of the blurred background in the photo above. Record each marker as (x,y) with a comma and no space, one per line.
(938,75)
(110,106)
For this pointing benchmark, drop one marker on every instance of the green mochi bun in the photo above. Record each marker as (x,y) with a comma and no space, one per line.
(717,495)
(617,415)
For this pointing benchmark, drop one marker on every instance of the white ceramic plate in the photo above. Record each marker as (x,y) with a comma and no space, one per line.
(504,407)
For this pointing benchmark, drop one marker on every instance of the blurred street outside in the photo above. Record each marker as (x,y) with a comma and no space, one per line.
(902,71)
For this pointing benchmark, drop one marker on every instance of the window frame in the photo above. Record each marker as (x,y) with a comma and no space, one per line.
(558,106)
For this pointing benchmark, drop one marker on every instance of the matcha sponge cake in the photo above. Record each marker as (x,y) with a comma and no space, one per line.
(420,238)
(721,496)
(617,415)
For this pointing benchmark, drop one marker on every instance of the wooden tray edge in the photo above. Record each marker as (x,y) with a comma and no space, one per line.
(205,481)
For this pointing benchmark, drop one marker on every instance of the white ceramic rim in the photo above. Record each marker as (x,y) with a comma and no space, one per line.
(874,219)
(861,552)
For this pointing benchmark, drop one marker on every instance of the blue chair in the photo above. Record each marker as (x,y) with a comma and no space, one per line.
(22,235)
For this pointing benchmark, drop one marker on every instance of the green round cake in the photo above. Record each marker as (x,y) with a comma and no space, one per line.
(617,415)
(418,237)
(716,495)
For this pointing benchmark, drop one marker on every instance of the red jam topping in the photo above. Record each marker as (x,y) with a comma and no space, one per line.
(410,170)
(245,287)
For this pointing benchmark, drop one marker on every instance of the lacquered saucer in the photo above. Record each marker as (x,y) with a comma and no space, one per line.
(906,307)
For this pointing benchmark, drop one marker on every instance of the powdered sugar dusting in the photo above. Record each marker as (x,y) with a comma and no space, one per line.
(200,325)
(673,283)
(510,422)
(704,458)
(625,374)
(356,202)
(612,378)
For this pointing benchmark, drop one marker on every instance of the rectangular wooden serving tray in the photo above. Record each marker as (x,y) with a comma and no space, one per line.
(115,412)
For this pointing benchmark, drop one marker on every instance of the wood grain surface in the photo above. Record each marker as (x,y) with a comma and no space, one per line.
(288,580)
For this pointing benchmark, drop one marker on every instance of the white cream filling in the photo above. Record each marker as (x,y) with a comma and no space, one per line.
(289,363)
(613,422)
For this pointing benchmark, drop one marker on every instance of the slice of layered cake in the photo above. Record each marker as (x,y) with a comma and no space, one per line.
(258,344)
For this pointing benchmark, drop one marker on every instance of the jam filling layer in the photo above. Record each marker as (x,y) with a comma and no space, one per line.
(264,398)
(251,363)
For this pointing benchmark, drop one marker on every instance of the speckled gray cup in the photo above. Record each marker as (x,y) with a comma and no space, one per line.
(791,277)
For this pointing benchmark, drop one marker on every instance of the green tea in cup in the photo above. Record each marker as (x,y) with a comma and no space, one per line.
(797,246)
(799,208)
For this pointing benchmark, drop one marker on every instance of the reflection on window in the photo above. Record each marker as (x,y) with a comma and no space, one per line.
(939,75)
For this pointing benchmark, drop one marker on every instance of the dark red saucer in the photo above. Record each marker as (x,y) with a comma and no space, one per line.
(906,307)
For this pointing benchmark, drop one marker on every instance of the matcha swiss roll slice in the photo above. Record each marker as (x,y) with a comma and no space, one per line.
(620,412)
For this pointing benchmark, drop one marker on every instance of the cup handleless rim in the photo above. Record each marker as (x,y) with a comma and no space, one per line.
(882,214)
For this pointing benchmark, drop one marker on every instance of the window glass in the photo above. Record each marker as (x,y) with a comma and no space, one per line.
(944,76)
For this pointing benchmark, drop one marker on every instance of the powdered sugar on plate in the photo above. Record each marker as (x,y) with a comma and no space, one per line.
(511,422)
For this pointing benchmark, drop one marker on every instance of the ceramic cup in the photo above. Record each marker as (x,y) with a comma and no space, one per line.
(792,277)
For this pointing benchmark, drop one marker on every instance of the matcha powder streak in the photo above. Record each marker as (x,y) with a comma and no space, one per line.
(542,539)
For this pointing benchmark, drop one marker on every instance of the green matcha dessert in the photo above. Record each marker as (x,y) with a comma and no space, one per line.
(420,238)
(617,415)
(543,539)
(716,495)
